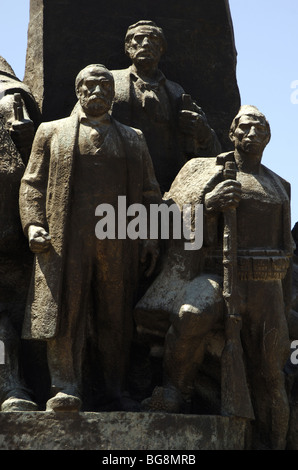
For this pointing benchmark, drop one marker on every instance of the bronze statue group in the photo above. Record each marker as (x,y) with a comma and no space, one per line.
(215,317)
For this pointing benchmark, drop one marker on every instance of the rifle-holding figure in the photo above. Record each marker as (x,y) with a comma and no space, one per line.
(192,302)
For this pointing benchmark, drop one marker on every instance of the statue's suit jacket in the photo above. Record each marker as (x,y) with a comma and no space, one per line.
(45,201)
(122,105)
(125,111)
(123,92)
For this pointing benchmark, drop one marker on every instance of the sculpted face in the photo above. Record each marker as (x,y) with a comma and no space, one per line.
(146,45)
(251,134)
(95,91)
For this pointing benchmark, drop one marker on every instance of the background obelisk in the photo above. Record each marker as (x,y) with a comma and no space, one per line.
(66,35)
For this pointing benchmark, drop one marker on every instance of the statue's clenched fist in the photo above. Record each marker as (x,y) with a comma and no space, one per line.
(225,195)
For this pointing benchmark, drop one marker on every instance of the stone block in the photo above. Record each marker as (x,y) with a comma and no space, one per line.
(121,431)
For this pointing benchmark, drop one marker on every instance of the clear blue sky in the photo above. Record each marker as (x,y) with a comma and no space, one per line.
(266,36)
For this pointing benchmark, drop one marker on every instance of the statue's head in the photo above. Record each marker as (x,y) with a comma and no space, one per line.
(250,130)
(145,42)
(95,89)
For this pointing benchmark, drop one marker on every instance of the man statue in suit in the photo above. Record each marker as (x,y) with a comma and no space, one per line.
(174,126)
(76,164)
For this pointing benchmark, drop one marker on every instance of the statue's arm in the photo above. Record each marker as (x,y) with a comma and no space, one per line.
(200,138)
(33,188)
(151,190)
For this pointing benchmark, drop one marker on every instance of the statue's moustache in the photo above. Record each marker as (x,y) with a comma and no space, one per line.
(97,98)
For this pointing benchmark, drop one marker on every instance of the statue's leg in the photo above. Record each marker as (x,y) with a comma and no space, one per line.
(266,346)
(65,351)
(13,393)
(112,296)
(184,344)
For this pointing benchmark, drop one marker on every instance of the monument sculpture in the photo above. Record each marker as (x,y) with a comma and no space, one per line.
(188,304)
(19,117)
(174,126)
(76,164)
(208,336)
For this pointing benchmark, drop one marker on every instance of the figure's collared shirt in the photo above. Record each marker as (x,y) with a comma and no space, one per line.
(153,111)
(152,96)
(99,174)
(92,133)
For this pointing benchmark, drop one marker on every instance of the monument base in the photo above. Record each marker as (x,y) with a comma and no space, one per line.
(121,431)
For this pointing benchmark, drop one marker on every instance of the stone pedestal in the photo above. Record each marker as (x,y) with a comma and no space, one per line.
(121,431)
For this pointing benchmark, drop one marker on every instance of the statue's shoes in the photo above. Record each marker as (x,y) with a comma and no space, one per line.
(18,404)
(64,402)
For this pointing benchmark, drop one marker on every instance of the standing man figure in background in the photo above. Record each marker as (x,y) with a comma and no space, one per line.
(174,126)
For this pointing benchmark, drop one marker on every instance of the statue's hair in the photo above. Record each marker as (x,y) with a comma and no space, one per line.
(249,110)
(86,71)
(131,31)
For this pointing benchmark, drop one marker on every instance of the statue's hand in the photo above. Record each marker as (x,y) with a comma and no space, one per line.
(150,249)
(22,134)
(39,239)
(194,124)
(225,195)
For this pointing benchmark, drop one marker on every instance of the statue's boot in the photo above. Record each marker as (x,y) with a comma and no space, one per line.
(18,400)
(64,402)
(165,399)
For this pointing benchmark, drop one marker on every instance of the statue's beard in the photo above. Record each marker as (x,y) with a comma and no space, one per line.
(94,105)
